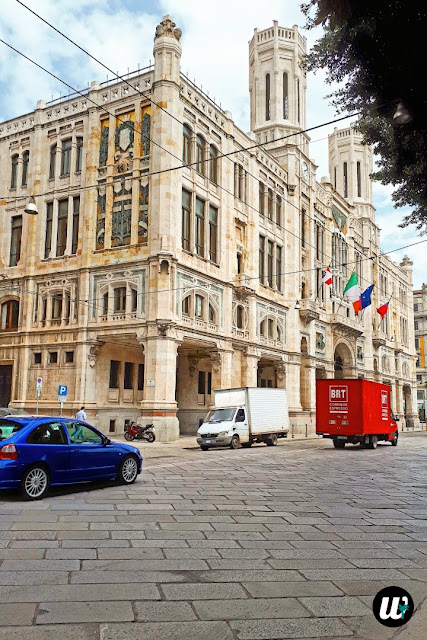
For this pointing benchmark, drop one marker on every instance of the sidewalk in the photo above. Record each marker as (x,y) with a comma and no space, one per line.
(161,449)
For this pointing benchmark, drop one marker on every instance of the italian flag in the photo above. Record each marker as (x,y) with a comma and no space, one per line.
(353,292)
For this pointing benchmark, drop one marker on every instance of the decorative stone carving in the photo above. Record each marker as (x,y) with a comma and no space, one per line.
(168,28)
(122,212)
(192,366)
(280,371)
(143,212)
(93,353)
(215,362)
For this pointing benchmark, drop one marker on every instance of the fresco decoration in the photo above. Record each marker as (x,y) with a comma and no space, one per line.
(340,220)
(143,213)
(100,220)
(103,149)
(145,134)
(122,213)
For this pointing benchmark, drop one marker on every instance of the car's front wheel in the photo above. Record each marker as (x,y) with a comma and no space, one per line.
(35,482)
(128,470)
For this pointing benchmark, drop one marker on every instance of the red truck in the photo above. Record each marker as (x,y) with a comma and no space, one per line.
(355,411)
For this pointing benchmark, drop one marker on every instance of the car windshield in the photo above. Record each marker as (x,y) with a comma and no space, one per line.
(221,415)
(8,427)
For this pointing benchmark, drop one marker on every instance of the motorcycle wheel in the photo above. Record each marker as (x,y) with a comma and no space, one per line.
(128,436)
(150,436)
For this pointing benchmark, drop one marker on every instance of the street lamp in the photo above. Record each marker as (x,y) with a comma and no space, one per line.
(31,207)
(401,115)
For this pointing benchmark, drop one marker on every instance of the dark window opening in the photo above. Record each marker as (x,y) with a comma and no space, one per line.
(25,163)
(69,357)
(76,220)
(15,241)
(66,157)
(53,357)
(186,217)
(141,374)
(61,241)
(48,237)
(128,376)
(201,382)
(114,374)
(37,357)
(79,156)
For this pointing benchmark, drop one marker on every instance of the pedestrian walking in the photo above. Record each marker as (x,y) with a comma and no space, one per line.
(81,415)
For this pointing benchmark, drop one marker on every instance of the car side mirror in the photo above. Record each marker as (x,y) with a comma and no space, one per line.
(106,441)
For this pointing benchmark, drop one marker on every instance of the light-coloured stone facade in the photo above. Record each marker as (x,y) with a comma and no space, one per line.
(170,251)
(420,323)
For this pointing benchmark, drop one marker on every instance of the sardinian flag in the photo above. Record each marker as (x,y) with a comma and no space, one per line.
(327,278)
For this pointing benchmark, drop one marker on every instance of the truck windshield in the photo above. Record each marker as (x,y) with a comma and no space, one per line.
(221,415)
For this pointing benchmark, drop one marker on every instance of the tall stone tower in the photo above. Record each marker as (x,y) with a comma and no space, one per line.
(350,165)
(277,83)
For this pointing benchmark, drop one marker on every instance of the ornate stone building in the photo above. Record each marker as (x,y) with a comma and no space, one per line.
(173,255)
(420,323)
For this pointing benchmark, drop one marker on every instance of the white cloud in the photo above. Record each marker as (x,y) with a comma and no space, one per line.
(215,52)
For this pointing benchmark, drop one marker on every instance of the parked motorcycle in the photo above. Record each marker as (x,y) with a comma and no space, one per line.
(138,432)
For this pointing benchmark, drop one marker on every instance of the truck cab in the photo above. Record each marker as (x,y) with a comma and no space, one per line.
(221,424)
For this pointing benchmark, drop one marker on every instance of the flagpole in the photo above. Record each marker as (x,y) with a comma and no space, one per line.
(321,282)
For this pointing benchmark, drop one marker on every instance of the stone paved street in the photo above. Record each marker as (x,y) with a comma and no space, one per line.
(260,543)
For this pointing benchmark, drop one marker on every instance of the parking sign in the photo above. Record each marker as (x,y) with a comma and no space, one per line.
(62,393)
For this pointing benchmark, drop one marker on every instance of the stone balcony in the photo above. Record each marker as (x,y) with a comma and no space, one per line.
(309,311)
(346,326)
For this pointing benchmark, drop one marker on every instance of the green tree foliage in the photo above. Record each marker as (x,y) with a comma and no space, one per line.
(374,50)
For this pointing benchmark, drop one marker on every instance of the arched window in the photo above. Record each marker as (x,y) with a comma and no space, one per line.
(212,314)
(262,327)
(66,157)
(359,179)
(14,173)
(213,164)
(285,97)
(25,162)
(345,174)
(267,96)
(52,161)
(239,317)
(270,204)
(198,306)
(278,209)
(79,153)
(186,306)
(186,147)
(9,315)
(200,152)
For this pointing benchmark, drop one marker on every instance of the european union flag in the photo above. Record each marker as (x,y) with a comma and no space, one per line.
(365,297)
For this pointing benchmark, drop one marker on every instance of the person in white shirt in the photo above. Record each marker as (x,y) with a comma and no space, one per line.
(81,415)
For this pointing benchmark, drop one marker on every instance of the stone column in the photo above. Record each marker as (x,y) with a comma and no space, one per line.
(280,369)
(222,369)
(159,405)
(250,367)
(86,388)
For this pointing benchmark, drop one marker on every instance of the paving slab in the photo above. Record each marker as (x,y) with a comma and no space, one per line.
(166,631)
(249,609)
(165,612)
(83,611)
(281,629)
(16,614)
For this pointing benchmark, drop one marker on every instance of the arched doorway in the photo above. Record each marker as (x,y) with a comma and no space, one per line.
(304,375)
(407,400)
(343,361)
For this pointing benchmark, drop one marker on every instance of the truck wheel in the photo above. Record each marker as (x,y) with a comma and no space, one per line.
(272,440)
(204,448)
(339,444)
(235,442)
(373,442)
(395,439)
(246,445)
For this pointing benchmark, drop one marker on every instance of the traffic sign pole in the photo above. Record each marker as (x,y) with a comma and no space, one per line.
(39,385)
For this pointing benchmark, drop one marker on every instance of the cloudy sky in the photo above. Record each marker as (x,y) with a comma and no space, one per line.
(215,54)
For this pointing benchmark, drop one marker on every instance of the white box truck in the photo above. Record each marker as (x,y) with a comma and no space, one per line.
(243,416)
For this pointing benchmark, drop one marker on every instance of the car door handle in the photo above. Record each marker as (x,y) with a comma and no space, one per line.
(76,450)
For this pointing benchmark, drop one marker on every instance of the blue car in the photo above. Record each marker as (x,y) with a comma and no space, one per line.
(39,452)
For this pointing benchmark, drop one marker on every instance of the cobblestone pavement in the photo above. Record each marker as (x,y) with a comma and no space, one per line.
(261,543)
